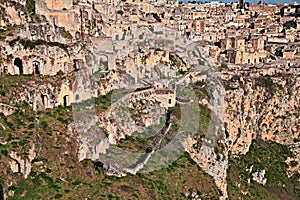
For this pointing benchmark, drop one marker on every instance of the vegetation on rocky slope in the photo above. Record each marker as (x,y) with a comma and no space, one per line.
(267,156)
(56,172)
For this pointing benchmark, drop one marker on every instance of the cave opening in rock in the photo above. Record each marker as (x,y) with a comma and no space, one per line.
(75,64)
(44,100)
(18,62)
(36,68)
(65,99)
(103,62)
(5,70)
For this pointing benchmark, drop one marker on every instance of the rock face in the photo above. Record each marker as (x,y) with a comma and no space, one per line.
(130,113)
(265,107)
(6,109)
(22,165)
(142,108)
(213,163)
(262,106)
(259,104)
(259,177)
(19,165)
(24,56)
(73,35)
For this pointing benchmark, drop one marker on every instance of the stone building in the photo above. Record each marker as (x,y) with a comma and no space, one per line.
(243,57)
(198,26)
(230,43)
(59,4)
(167,97)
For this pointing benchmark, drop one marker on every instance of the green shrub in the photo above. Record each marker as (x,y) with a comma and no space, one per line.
(58,196)
(44,125)
(5,153)
(31,126)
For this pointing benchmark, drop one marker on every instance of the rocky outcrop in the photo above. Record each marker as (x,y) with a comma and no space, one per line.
(7,109)
(263,106)
(20,164)
(259,177)
(11,16)
(143,110)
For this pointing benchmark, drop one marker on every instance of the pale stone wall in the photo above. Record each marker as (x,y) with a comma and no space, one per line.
(59,4)
(6,109)
(277,40)
(243,57)
(13,15)
(68,19)
(50,61)
(288,54)
(167,100)
(65,96)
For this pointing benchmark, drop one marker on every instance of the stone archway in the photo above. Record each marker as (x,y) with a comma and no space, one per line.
(18,63)
(5,70)
(44,100)
(103,62)
(36,67)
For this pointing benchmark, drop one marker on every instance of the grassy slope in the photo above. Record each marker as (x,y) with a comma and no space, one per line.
(57,174)
(262,155)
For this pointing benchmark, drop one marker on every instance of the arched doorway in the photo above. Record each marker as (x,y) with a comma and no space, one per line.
(103,62)
(36,67)
(18,63)
(44,100)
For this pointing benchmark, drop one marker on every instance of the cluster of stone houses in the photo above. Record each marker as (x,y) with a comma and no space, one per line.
(245,33)
(236,33)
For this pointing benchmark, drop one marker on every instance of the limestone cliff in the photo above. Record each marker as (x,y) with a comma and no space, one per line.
(264,107)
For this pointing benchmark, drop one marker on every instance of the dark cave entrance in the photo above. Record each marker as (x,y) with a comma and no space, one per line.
(65,99)
(18,62)
(36,67)
(44,100)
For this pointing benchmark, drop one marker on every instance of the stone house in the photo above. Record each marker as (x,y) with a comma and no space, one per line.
(198,26)
(233,43)
(198,15)
(289,10)
(258,43)
(243,57)
(167,97)
(60,17)
(289,52)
